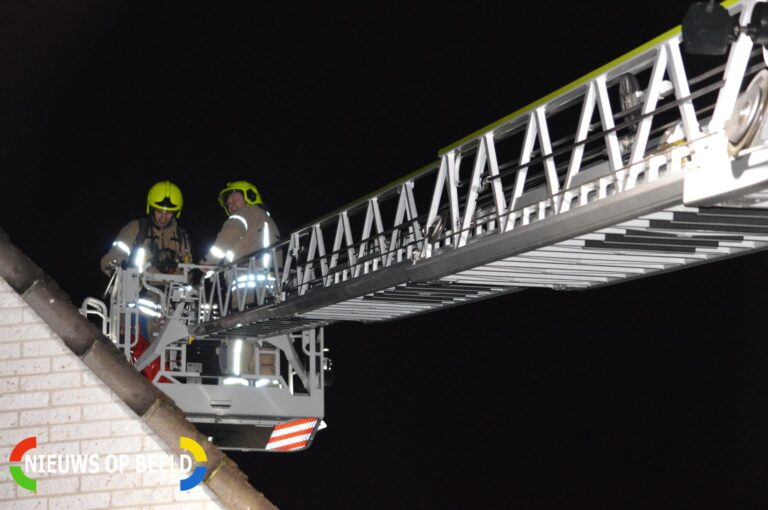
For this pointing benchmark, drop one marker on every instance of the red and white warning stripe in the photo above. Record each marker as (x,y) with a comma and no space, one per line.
(292,435)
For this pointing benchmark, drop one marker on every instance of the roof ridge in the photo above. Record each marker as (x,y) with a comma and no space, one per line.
(99,354)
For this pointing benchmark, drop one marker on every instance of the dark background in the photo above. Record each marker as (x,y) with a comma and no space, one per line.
(648,394)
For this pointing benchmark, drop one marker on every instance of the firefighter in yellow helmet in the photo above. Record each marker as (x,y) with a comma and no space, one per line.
(249,227)
(156,242)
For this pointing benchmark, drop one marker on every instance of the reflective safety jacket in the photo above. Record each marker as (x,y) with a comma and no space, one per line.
(245,231)
(141,242)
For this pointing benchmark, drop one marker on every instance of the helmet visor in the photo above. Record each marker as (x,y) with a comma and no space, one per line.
(166,204)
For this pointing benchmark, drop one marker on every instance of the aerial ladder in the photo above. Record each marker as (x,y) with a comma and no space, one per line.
(654,162)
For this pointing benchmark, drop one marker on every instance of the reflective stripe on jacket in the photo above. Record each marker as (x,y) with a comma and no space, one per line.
(245,231)
(172,237)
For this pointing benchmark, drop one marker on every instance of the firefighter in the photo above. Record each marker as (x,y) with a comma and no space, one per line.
(249,227)
(156,242)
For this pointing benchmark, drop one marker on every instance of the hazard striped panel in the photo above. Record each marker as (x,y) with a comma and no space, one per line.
(292,435)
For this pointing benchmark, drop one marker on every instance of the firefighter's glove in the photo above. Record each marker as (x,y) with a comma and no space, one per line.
(111,268)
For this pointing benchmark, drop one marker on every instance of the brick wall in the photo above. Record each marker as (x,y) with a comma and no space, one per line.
(47,392)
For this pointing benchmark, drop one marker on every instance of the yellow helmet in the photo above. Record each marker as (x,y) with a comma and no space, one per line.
(165,196)
(249,191)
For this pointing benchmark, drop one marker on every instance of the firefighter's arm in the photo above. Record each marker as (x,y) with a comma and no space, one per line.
(121,247)
(221,250)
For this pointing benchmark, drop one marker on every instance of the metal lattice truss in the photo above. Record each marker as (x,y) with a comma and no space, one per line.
(599,182)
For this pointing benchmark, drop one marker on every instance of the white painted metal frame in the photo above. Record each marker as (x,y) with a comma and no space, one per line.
(295,391)
(496,196)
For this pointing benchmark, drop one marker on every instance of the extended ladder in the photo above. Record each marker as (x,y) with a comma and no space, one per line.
(625,173)
(650,164)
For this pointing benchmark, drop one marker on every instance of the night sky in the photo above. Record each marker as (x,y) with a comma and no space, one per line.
(647,394)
